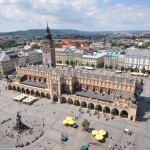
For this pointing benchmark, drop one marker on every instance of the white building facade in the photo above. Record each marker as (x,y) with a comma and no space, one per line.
(137,59)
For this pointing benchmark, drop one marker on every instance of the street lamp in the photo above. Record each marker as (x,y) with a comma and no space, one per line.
(43,122)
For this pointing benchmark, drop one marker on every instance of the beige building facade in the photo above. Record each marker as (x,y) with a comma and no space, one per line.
(104,94)
(8,61)
(68,54)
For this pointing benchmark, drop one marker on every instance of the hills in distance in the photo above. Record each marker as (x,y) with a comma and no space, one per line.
(40,32)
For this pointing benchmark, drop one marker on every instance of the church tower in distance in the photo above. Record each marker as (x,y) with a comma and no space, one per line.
(48,50)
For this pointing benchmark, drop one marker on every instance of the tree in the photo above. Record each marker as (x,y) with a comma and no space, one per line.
(71,63)
(67,62)
(136,69)
(143,70)
(56,44)
(106,67)
(110,67)
(85,124)
(92,65)
(87,64)
(129,68)
(74,64)
(122,68)
(35,46)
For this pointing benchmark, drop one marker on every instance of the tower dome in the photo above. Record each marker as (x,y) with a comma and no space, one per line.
(48,35)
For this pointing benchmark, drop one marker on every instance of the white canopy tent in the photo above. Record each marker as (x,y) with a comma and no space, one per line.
(20,97)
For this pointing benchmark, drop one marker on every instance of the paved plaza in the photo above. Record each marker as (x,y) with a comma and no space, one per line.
(52,116)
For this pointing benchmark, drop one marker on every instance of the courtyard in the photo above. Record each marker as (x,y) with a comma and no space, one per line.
(52,115)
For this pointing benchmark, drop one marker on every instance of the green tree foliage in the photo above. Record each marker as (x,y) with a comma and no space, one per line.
(143,70)
(110,67)
(117,44)
(122,68)
(136,69)
(71,63)
(106,67)
(35,46)
(56,45)
(85,124)
(10,44)
(129,68)
(67,62)
(92,65)
(74,64)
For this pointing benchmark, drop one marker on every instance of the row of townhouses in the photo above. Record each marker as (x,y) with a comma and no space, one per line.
(131,58)
(134,58)
(9,60)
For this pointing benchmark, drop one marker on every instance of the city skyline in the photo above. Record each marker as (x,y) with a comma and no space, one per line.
(83,15)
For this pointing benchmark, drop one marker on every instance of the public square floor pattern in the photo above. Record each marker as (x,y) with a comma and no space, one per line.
(43,111)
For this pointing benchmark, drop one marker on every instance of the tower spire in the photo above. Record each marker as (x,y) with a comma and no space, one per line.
(48,35)
(47,24)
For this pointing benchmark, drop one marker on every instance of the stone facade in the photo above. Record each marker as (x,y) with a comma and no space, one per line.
(107,94)
(8,61)
(115,59)
(48,50)
(137,59)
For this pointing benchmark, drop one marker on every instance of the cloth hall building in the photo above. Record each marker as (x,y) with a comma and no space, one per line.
(112,95)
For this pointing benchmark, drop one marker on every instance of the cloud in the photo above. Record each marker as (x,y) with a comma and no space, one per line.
(106,1)
(71,14)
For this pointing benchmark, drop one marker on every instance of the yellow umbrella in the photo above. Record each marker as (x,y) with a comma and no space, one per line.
(65,122)
(71,122)
(69,118)
(99,137)
(95,132)
(102,132)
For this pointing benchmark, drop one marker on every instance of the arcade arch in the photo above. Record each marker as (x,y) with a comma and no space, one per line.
(63,100)
(98,108)
(106,110)
(43,94)
(27,91)
(37,94)
(14,88)
(32,92)
(23,90)
(83,104)
(18,89)
(9,87)
(70,101)
(115,112)
(124,114)
(91,106)
(76,103)
(48,96)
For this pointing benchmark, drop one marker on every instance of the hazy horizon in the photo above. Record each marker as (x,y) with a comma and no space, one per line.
(81,30)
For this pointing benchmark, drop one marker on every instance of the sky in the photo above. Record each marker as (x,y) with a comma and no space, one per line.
(83,15)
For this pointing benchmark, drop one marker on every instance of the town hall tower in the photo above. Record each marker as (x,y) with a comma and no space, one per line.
(48,49)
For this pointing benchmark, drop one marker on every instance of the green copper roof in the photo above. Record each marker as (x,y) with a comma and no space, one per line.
(113,54)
